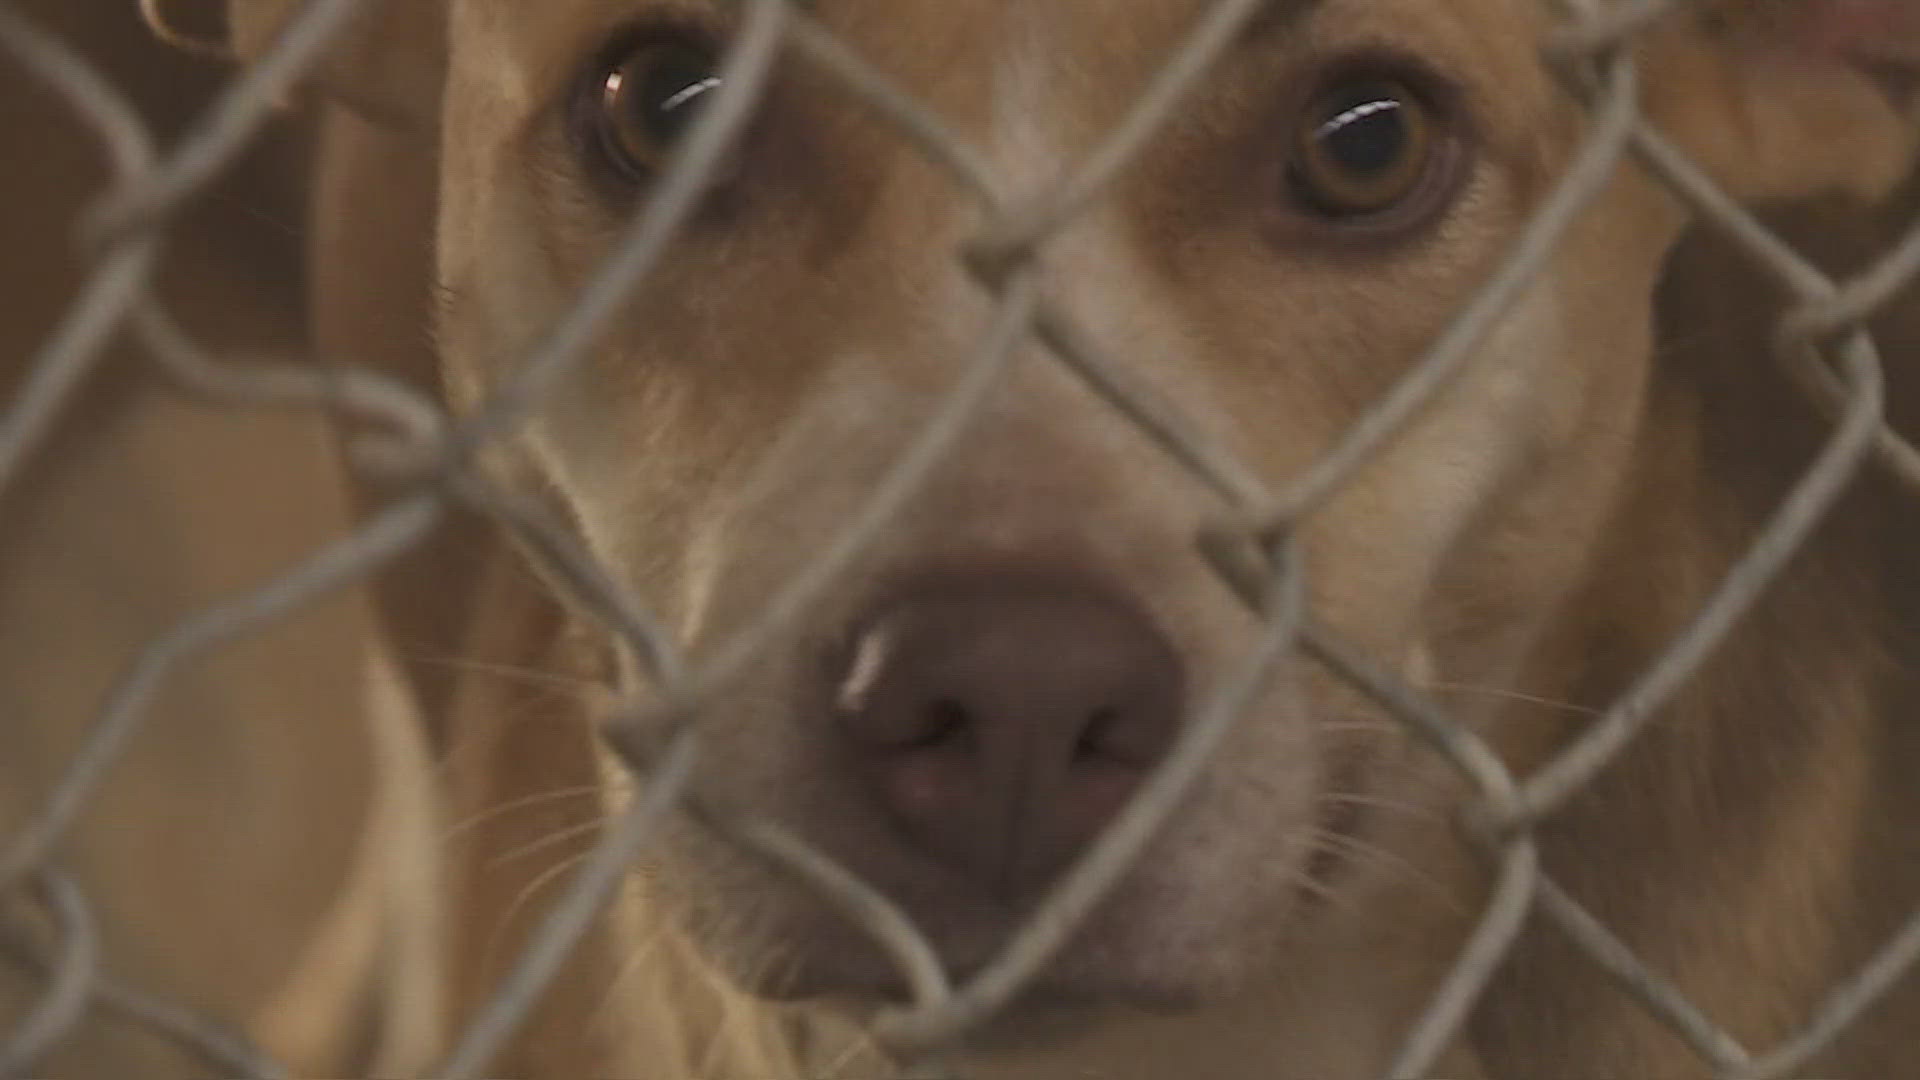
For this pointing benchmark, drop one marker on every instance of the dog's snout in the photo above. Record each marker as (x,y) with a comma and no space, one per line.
(1002,717)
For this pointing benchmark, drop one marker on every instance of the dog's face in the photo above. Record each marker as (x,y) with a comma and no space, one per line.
(987,684)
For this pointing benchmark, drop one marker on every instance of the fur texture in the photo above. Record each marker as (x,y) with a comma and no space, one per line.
(1523,550)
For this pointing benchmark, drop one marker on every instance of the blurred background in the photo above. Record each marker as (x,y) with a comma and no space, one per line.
(143,508)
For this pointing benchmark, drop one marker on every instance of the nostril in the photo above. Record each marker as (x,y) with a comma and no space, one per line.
(1096,737)
(943,721)
(1129,737)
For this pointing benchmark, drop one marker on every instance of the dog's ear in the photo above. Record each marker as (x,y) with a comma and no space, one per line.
(1784,99)
(388,64)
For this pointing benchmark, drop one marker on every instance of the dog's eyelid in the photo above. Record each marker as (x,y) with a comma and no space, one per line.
(1276,17)
(594,48)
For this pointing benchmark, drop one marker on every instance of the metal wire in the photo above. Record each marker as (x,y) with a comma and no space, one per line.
(1823,342)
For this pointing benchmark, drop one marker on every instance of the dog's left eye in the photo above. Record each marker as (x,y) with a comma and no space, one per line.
(1363,147)
(645,98)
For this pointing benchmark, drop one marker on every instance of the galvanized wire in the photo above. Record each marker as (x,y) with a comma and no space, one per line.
(430,457)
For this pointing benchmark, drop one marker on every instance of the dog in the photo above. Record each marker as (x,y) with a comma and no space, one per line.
(979,694)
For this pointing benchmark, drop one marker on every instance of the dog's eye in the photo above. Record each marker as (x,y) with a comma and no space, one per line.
(645,97)
(1362,147)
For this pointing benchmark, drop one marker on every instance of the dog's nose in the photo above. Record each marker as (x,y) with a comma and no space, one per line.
(1003,717)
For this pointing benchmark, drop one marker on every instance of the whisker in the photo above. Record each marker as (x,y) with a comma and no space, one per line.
(557,836)
(794,965)
(1374,802)
(481,817)
(720,1037)
(1371,725)
(733,1011)
(466,742)
(546,877)
(568,690)
(858,1042)
(1300,878)
(531,676)
(602,1013)
(1513,695)
(1357,848)
(1322,891)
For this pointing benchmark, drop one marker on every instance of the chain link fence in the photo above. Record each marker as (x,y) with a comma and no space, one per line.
(427,456)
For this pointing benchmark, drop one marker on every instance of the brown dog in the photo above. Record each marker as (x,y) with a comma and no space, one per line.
(983,690)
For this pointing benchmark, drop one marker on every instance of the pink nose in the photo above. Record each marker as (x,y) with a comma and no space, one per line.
(1001,717)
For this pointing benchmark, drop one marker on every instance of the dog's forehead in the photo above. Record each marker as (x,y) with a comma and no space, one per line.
(946,47)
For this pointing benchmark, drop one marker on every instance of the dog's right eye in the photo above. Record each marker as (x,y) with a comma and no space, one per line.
(644,97)
(1378,146)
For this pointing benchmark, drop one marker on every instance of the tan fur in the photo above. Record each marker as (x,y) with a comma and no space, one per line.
(219,855)
(1543,530)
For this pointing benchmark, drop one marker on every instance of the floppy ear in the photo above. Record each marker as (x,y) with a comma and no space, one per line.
(387,65)
(1785,99)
